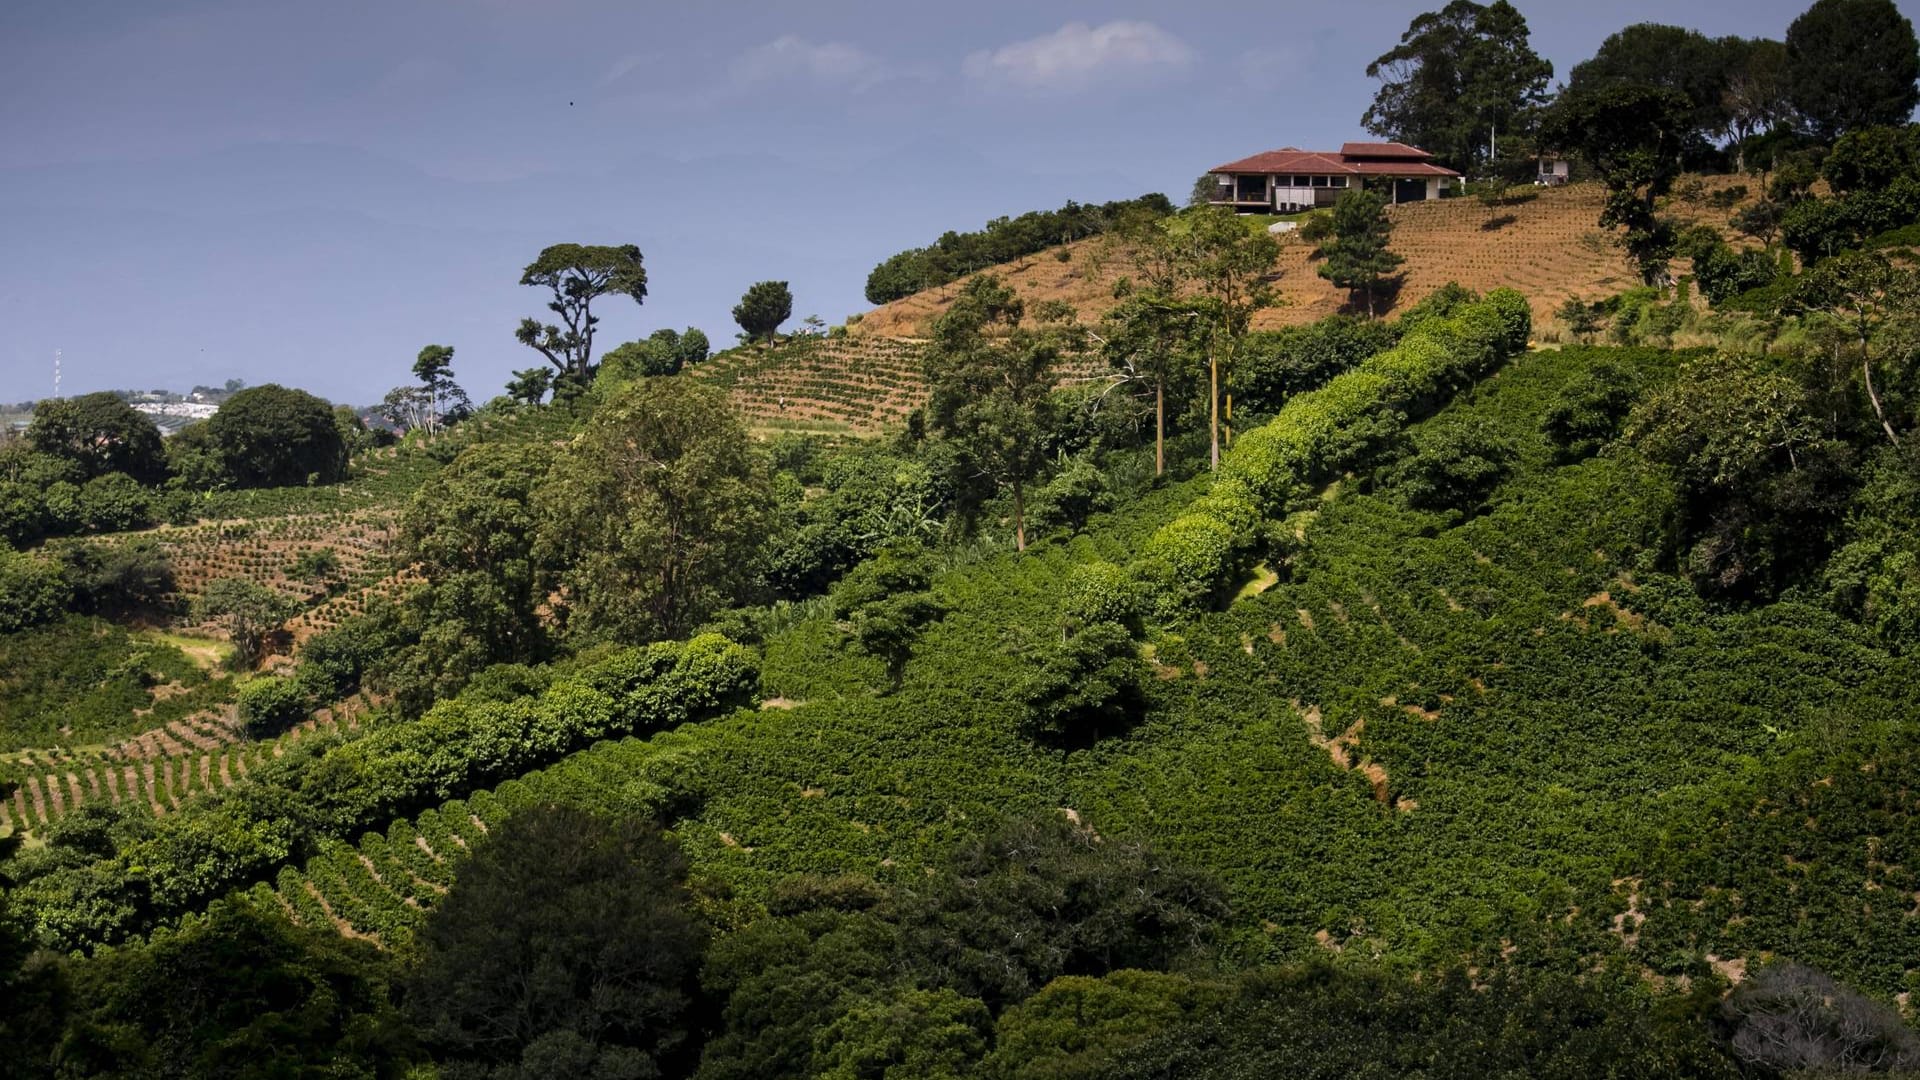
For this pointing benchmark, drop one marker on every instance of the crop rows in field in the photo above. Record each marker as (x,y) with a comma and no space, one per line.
(329,614)
(381,887)
(860,385)
(265,551)
(158,770)
(856,384)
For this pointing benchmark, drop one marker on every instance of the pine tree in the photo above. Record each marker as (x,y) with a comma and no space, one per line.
(1357,258)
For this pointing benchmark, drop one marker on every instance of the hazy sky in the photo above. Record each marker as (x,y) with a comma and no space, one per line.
(309,192)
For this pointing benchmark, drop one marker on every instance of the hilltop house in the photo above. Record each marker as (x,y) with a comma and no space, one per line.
(1287,180)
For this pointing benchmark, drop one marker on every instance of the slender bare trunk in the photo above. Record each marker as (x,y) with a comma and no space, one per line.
(1213,405)
(1866,372)
(1159,427)
(1019,518)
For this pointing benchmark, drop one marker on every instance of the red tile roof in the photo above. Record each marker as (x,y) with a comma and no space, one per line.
(1383,150)
(1353,159)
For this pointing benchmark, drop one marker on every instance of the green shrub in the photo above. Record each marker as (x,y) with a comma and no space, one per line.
(269,706)
(1588,411)
(31,591)
(1454,466)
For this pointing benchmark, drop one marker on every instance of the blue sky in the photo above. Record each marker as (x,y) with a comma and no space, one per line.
(309,192)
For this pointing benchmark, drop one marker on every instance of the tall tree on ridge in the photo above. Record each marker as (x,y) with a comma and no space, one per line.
(1459,75)
(1852,64)
(578,274)
(1674,58)
(434,368)
(1632,136)
(765,306)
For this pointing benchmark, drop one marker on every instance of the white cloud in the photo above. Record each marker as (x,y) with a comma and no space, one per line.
(833,63)
(1077,56)
(789,60)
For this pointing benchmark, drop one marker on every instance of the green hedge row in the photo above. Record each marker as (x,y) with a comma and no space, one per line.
(1320,434)
(324,789)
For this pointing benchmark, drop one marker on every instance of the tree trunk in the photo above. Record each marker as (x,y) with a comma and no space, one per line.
(1866,372)
(1159,427)
(1019,518)
(1213,406)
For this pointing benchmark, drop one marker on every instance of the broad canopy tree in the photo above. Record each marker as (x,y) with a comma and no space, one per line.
(1674,58)
(1632,135)
(651,517)
(567,948)
(100,434)
(577,275)
(765,306)
(272,436)
(1852,64)
(1459,76)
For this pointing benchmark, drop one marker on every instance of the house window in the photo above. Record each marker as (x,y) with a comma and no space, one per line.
(1337,181)
(1301,181)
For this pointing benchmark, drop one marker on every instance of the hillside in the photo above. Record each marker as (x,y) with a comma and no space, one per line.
(1548,247)
(1369,753)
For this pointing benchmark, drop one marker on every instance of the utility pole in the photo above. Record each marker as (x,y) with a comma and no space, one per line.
(56,373)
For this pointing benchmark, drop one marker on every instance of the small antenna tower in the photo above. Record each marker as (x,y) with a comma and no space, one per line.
(56,373)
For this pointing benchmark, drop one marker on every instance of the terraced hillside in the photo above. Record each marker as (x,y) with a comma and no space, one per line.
(156,771)
(854,385)
(1547,246)
(1435,734)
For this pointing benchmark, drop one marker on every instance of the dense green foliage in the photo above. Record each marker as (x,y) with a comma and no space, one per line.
(270,436)
(650,518)
(236,993)
(1318,434)
(761,310)
(1459,75)
(565,948)
(75,680)
(664,352)
(884,603)
(1274,365)
(99,434)
(957,254)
